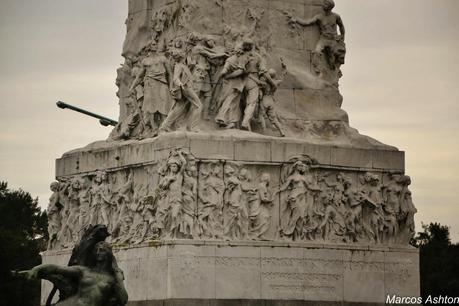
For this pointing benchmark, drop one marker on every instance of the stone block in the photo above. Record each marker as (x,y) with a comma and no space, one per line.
(352,158)
(138,5)
(238,270)
(313,104)
(212,148)
(191,272)
(238,302)
(146,303)
(135,276)
(359,268)
(402,273)
(249,150)
(186,302)
(285,103)
(286,37)
(284,151)
(282,273)
(389,160)
(324,274)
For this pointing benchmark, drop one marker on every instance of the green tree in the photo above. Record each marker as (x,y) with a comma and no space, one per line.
(438,261)
(23,234)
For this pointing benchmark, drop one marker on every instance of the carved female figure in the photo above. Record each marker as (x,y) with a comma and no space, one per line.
(260,211)
(157,75)
(171,186)
(190,190)
(332,226)
(123,198)
(85,201)
(407,211)
(54,215)
(211,203)
(299,203)
(373,212)
(235,214)
(391,195)
(101,201)
(70,228)
(98,285)
(354,200)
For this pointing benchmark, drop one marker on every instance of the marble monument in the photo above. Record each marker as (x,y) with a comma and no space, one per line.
(233,176)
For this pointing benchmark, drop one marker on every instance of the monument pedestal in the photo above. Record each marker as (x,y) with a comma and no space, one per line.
(218,273)
(244,270)
(231,217)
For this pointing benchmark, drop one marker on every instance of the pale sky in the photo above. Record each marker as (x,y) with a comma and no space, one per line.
(400,86)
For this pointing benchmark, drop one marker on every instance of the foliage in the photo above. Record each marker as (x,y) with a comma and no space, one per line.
(23,234)
(438,260)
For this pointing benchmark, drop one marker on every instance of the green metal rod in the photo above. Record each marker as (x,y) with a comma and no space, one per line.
(102,120)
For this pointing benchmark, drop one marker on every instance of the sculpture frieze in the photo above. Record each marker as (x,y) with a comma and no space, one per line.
(186,198)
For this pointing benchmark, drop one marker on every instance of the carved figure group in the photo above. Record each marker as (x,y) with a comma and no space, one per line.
(227,200)
(177,84)
(339,211)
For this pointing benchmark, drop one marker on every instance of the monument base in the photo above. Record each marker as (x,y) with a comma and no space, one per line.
(189,273)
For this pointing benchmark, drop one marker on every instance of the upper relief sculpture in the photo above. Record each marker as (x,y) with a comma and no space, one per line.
(214,66)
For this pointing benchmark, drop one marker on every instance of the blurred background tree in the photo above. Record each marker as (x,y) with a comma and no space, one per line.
(439,261)
(23,235)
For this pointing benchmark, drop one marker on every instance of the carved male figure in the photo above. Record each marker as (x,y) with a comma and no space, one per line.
(187,103)
(255,68)
(329,42)
(229,111)
(204,57)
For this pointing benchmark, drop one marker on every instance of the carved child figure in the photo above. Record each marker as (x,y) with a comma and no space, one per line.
(268,102)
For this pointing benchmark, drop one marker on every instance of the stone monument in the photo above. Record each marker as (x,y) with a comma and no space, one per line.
(233,176)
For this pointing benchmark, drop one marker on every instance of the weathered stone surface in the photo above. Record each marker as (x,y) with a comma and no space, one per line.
(359,268)
(261,275)
(241,267)
(238,147)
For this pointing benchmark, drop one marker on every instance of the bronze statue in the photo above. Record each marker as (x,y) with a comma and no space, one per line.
(92,277)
